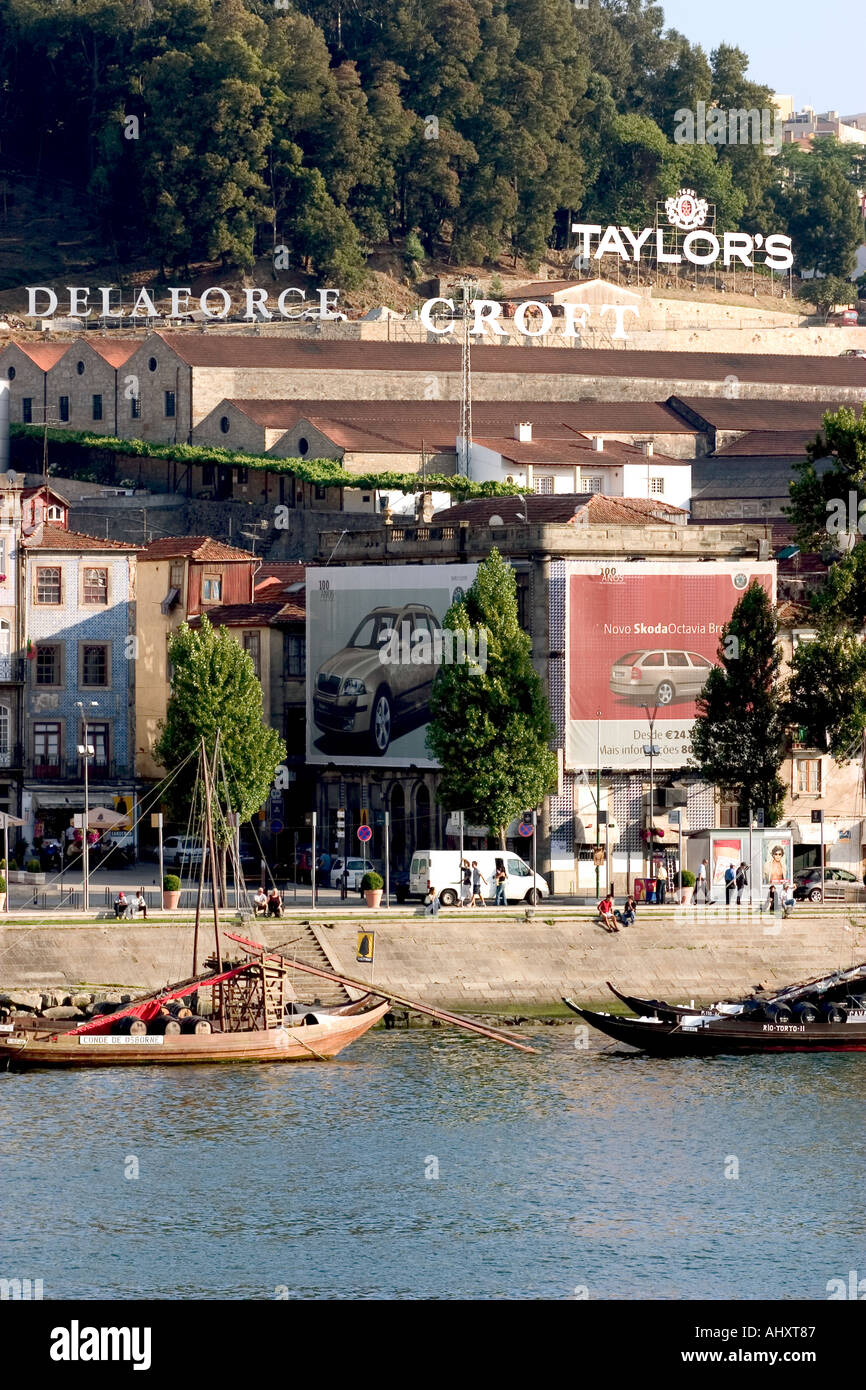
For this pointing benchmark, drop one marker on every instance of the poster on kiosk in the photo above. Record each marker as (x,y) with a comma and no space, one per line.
(772,858)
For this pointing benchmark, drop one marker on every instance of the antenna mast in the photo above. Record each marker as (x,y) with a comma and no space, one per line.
(468,283)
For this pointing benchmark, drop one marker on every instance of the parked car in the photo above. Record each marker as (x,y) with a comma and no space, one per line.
(181,850)
(853,352)
(661,677)
(356,869)
(840,885)
(316,315)
(360,691)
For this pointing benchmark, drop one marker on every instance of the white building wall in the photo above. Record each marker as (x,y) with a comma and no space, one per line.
(677,480)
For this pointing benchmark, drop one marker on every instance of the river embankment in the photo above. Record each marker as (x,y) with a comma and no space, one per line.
(484,960)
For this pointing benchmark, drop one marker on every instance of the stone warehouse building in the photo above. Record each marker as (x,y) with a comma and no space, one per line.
(172,381)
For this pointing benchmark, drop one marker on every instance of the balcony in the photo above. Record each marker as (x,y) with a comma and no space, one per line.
(61,770)
(12,757)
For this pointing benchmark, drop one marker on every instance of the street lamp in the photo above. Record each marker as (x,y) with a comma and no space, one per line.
(651,751)
(86,751)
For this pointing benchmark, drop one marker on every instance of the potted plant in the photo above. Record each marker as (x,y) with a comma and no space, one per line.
(686,885)
(371,887)
(2,891)
(170,891)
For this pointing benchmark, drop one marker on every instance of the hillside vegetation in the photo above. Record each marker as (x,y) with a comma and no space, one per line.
(311,132)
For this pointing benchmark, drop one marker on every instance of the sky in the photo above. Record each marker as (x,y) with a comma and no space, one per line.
(812,53)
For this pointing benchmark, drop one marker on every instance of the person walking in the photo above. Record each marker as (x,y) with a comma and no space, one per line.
(741,881)
(477,880)
(730,883)
(661,883)
(501,879)
(465,884)
(703,883)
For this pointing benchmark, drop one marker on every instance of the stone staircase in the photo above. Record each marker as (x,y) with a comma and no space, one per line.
(304,947)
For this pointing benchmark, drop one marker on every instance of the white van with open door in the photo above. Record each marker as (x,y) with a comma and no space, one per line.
(441,867)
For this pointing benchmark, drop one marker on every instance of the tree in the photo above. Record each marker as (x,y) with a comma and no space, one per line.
(826,696)
(827,292)
(490,727)
(214,690)
(826,504)
(738,734)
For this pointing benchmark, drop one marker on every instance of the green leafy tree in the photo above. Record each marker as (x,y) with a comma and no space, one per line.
(827,291)
(490,727)
(826,696)
(825,501)
(214,690)
(738,735)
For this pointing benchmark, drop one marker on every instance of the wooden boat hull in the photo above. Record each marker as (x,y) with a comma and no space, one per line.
(726,1036)
(653,1006)
(306,1043)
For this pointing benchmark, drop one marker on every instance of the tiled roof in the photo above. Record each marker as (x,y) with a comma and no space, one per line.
(55,538)
(193,547)
(577,449)
(788,444)
(257,614)
(115,351)
(273,579)
(206,350)
(723,414)
(43,354)
(549,419)
(562,508)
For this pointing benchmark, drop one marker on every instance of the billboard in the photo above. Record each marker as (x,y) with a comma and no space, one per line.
(374,643)
(643,635)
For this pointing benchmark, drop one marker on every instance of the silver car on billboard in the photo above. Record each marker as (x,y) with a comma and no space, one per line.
(659,675)
(358,694)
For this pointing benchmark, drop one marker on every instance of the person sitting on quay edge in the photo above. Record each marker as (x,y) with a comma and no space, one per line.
(121,905)
(275,904)
(627,917)
(260,903)
(431,901)
(606,913)
(140,904)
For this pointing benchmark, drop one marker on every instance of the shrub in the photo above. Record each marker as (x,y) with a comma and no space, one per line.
(171,883)
(13,865)
(33,866)
(686,879)
(370,883)
(2,883)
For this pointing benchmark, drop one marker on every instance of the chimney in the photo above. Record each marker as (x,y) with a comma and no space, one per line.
(523,432)
(598,443)
(647,447)
(4,426)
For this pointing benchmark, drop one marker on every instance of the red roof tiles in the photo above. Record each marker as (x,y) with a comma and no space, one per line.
(56,538)
(192,547)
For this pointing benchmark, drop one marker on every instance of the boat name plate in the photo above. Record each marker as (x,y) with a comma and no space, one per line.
(856,1016)
(784,1027)
(124,1040)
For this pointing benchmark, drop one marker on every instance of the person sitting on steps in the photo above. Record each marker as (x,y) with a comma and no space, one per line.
(260,903)
(627,917)
(606,913)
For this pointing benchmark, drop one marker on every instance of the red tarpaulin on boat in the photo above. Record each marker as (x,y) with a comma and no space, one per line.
(149,1008)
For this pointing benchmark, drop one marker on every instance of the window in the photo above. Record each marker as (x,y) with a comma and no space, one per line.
(699,661)
(97,407)
(94,664)
(97,738)
(657,485)
(592,484)
(212,589)
(48,585)
(95,586)
(294,655)
(207,474)
(809,776)
(252,645)
(26,408)
(175,575)
(544,484)
(46,748)
(151,364)
(4,736)
(54,513)
(654,659)
(135,408)
(63,404)
(303,446)
(169,405)
(242,475)
(79,367)
(10,372)
(320,494)
(49,665)
(677,659)
(225,424)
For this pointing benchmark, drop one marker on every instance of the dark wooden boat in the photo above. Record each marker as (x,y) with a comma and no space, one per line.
(821,1015)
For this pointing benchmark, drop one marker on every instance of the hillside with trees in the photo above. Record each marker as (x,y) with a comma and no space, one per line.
(227,129)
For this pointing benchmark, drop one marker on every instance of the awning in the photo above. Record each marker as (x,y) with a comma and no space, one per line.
(805,833)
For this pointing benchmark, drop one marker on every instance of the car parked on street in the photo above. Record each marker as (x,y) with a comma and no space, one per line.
(840,885)
(356,869)
(181,850)
(659,676)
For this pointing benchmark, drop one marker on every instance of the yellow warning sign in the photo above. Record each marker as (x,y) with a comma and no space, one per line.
(366,945)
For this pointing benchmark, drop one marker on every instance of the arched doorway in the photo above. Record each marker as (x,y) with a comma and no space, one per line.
(423,829)
(397,808)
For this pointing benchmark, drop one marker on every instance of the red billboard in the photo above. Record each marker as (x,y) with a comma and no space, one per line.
(641,639)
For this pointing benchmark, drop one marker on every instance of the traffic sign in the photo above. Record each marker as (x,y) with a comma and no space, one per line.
(525,830)
(366,947)
(364,833)
(276,827)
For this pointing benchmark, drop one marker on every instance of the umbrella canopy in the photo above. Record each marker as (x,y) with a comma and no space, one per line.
(101,818)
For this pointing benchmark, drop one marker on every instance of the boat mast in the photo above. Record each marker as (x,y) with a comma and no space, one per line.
(208,792)
(200,893)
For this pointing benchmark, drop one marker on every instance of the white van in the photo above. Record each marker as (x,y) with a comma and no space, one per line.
(442,868)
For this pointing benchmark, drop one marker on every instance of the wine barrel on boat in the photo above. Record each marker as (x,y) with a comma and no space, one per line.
(136,1027)
(169,1026)
(806,1012)
(195,1025)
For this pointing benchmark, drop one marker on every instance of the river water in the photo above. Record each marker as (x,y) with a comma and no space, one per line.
(432,1164)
